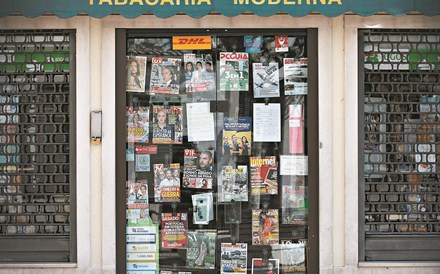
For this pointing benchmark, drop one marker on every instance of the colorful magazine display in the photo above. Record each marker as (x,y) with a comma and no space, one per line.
(264,175)
(165,75)
(293,257)
(233,184)
(167,124)
(137,196)
(266,80)
(237,136)
(234,71)
(138,124)
(197,169)
(201,249)
(136,67)
(233,258)
(270,266)
(167,183)
(265,227)
(199,73)
(174,230)
(295,76)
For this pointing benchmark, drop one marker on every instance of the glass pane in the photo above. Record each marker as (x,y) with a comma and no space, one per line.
(217,153)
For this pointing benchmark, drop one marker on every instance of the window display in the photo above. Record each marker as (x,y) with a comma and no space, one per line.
(217,155)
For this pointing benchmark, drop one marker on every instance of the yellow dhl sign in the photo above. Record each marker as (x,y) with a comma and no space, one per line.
(191,42)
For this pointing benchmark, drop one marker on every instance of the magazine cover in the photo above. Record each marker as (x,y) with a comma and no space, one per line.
(281,43)
(138,124)
(237,136)
(165,75)
(137,196)
(167,183)
(260,266)
(264,175)
(199,73)
(142,244)
(266,80)
(201,249)
(265,227)
(295,76)
(293,256)
(294,204)
(136,67)
(174,230)
(197,169)
(167,124)
(203,206)
(234,71)
(233,258)
(253,44)
(233,184)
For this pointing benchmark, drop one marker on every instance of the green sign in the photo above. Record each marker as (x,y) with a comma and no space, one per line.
(200,8)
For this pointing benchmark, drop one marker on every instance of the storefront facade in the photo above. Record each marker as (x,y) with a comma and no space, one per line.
(335,226)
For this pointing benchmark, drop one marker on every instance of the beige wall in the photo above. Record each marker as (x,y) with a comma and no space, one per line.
(337,53)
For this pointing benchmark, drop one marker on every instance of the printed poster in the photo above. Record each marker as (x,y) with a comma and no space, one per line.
(293,256)
(233,184)
(264,175)
(167,183)
(167,124)
(234,71)
(266,80)
(237,134)
(165,75)
(199,73)
(142,243)
(143,152)
(233,258)
(201,249)
(174,230)
(295,76)
(197,169)
(281,43)
(270,266)
(135,68)
(265,227)
(138,124)
(137,194)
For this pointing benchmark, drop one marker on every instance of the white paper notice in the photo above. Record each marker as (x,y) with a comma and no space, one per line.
(267,122)
(293,165)
(200,122)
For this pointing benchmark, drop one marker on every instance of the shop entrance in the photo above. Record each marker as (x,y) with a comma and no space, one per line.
(217,151)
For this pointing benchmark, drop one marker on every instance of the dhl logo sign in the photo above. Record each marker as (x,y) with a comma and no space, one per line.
(191,42)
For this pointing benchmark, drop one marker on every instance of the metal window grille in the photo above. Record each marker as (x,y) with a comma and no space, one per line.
(400,139)
(36,198)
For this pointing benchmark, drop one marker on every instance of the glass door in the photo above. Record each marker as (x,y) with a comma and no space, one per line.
(216,146)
